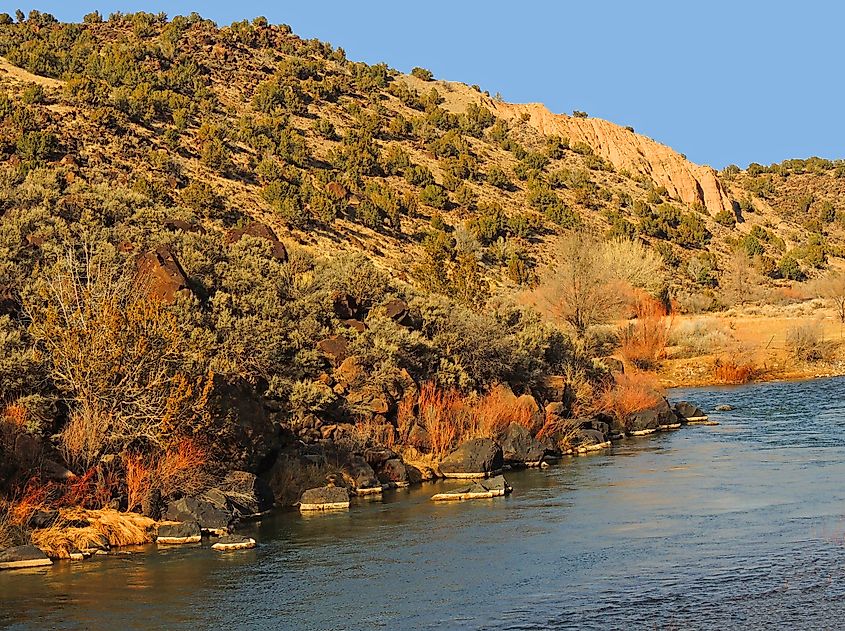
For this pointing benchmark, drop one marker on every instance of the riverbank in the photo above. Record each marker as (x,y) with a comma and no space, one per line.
(75,533)
(754,343)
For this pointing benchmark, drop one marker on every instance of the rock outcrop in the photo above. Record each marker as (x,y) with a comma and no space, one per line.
(324,498)
(21,557)
(163,273)
(625,149)
(476,458)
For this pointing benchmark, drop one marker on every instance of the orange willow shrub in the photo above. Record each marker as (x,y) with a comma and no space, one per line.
(630,392)
(183,467)
(729,371)
(643,342)
(451,419)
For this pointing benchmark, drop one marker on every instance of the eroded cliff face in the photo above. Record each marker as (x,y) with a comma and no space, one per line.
(691,183)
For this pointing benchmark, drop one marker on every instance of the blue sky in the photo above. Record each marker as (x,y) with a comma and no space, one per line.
(723,82)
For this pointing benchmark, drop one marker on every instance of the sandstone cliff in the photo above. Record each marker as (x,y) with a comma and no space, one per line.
(625,149)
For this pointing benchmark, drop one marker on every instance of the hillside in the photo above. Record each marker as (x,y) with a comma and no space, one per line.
(224,124)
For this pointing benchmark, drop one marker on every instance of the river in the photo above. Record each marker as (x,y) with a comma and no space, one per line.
(738,525)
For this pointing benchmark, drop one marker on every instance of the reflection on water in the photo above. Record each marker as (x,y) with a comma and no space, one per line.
(739,525)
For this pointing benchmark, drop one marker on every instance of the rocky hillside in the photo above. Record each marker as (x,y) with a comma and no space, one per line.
(250,121)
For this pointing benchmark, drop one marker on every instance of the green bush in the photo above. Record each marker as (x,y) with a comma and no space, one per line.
(433,195)
(422,73)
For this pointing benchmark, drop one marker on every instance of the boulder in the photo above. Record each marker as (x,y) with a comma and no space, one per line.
(324,498)
(233,542)
(163,273)
(483,489)
(687,412)
(22,557)
(334,348)
(369,400)
(260,230)
(393,473)
(345,306)
(419,437)
(360,475)
(246,494)
(521,448)
(377,456)
(244,436)
(355,325)
(176,533)
(651,420)
(397,310)
(180,225)
(591,440)
(210,512)
(476,458)
(724,408)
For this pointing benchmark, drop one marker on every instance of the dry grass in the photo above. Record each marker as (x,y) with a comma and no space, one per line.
(120,529)
(731,372)
(564,432)
(440,415)
(84,436)
(629,393)
(182,468)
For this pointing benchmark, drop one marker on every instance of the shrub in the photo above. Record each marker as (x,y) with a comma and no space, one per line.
(805,342)
(644,341)
(726,218)
(498,178)
(433,195)
(630,392)
(422,73)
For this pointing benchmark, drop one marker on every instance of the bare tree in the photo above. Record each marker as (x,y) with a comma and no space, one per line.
(832,287)
(114,353)
(579,287)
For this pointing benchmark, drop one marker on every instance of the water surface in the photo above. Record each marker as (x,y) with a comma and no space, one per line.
(739,525)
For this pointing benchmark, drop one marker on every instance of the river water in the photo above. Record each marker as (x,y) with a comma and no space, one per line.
(739,525)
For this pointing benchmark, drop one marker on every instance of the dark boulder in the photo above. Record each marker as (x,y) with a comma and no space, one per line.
(180,225)
(686,412)
(345,306)
(324,498)
(397,310)
(163,273)
(247,494)
(334,348)
(520,447)
(724,408)
(244,436)
(355,325)
(208,512)
(479,457)
(181,532)
(260,230)
(651,420)
(393,473)
(589,438)
(419,437)
(22,557)
(359,474)
(377,456)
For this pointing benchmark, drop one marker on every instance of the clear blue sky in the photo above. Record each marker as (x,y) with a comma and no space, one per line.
(723,82)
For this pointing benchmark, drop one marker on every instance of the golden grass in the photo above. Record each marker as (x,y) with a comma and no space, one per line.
(643,342)
(182,467)
(119,529)
(729,371)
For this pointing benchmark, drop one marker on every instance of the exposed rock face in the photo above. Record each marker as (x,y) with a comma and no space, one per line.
(520,447)
(625,149)
(22,557)
(334,348)
(324,498)
(476,458)
(260,231)
(247,494)
(162,270)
